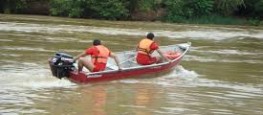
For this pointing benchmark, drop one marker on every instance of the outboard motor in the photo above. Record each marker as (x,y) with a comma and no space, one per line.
(61,64)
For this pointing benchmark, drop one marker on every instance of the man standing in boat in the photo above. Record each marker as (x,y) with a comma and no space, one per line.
(144,50)
(99,56)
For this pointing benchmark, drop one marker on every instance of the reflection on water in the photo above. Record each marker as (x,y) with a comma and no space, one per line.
(99,97)
(222,73)
(143,99)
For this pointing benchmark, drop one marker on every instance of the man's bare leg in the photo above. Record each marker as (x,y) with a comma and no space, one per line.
(86,63)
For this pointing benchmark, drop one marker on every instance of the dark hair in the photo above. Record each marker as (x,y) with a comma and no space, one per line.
(150,35)
(96,42)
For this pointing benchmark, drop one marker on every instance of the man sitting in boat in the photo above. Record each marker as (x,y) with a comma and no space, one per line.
(144,50)
(99,56)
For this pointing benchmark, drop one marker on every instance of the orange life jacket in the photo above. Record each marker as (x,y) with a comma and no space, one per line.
(144,46)
(103,55)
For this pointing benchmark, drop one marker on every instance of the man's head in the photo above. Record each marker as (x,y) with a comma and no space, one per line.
(150,35)
(96,42)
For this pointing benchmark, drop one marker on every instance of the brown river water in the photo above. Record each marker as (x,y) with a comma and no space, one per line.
(221,74)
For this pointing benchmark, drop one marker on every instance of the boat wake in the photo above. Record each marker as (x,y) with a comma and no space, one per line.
(181,77)
(178,76)
(33,77)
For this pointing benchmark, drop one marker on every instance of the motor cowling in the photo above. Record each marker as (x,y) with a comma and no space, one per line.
(61,64)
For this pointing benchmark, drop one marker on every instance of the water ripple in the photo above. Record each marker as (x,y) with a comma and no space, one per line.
(208,34)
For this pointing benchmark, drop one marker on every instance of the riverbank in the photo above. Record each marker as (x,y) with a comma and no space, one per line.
(224,20)
(240,12)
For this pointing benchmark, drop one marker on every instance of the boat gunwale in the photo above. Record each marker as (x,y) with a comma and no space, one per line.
(146,66)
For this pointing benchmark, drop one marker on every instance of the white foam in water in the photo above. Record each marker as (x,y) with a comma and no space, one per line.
(181,72)
(209,33)
(24,49)
(187,78)
(224,51)
(207,59)
(240,87)
(33,81)
(177,76)
(31,78)
(48,83)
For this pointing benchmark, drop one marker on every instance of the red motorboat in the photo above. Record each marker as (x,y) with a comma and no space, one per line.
(62,66)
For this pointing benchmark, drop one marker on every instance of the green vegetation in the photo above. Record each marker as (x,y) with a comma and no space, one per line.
(101,9)
(10,6)
(181,10)
(240,12)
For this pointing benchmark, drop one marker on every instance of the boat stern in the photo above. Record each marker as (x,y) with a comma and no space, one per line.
(61,64)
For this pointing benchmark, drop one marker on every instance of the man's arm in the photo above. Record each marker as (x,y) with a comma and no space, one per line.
(159,51)
(116,60)
(80,55)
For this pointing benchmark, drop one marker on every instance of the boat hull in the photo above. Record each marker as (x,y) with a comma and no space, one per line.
(83,77)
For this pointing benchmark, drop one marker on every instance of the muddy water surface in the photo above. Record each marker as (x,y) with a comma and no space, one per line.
(222,73)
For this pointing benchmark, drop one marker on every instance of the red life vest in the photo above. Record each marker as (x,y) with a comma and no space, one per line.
(144,46)
(103,55)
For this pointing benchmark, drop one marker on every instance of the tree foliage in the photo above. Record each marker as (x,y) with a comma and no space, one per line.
(70,8)
(252,8)
(11,6)
(171,10)
(107,9)
(179,10)
(227,7)
(102,9)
